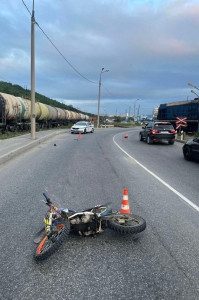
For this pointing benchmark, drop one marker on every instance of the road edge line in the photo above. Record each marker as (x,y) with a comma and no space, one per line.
(194,206)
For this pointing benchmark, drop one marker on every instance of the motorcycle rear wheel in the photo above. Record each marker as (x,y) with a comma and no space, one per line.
(126,223)
(49,245)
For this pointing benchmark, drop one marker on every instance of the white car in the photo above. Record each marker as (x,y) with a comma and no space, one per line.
(82,127)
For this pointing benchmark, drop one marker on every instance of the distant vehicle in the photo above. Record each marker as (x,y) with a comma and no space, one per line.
(191,149)
(158,131)
(82,127)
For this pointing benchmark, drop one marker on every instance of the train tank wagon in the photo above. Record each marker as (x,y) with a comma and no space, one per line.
(15,114)
(77,117)
(82,117)
(61,116)
(72,116)
(26,108)
(52,116)
(24,123)
(67,113)
(10,111)
(42,120)
(181,109)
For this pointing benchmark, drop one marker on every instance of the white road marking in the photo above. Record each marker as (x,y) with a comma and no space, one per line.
(158,178)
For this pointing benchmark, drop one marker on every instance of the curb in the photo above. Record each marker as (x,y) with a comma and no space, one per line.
(180,141)
(18,151)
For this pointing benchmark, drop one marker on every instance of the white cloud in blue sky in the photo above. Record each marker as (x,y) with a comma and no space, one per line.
(150,47)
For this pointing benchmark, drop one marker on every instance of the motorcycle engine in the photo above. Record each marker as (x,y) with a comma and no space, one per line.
(81,219)
(84,225)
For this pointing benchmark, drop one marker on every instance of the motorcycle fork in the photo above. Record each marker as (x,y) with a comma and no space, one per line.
(48,222)
(98,227)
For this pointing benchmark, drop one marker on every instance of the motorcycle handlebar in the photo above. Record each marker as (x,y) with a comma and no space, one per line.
(47,198)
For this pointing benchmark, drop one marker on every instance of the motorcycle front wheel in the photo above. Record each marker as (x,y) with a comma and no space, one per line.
(125,223)
(49,245)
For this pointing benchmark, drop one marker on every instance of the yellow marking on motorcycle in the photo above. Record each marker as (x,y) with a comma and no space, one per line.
(46,221)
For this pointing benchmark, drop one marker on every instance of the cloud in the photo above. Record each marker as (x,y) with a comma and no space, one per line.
(150,47)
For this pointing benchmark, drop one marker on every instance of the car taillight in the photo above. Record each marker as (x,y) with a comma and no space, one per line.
(172,131)
(154,131)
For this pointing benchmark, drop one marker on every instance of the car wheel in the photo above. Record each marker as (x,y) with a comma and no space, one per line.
(141,138)
(171,142)
(149,140)
(187,153)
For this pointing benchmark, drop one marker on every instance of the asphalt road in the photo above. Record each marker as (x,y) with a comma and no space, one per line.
(161,263)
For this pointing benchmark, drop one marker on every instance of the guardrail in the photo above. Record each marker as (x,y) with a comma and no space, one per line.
(106,126)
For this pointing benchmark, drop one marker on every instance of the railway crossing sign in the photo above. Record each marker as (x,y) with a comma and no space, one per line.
(181,122)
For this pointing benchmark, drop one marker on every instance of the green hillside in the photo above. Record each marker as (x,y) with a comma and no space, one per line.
(18,91)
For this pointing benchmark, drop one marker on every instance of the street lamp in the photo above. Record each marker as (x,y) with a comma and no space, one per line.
(135,107)
(191,84)
(98,112)
(192,91)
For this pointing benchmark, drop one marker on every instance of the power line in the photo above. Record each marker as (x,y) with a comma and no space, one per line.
(58,49)
(26,7)
(107,90)
(63,55)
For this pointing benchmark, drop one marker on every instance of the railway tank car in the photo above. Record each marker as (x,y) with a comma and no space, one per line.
(15,113)
(181,109)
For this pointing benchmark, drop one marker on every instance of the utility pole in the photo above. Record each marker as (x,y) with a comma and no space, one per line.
(98,111)
(129,111)
(135,107)
(138,112)
(33,73)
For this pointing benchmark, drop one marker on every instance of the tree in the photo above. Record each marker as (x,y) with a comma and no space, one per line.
(117,119)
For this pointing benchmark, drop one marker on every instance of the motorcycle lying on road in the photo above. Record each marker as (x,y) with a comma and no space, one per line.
(59,222)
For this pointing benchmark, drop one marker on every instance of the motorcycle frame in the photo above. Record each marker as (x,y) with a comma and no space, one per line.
(68,216)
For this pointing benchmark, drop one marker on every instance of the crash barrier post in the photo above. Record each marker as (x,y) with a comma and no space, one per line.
(106,126)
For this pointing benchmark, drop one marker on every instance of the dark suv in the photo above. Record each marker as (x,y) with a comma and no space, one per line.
(158,131)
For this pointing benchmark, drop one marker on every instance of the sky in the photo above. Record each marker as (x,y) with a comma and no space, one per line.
(150,47)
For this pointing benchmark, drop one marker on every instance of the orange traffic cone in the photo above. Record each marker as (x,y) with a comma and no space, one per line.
(79,135)
(126,136)
(125,203)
